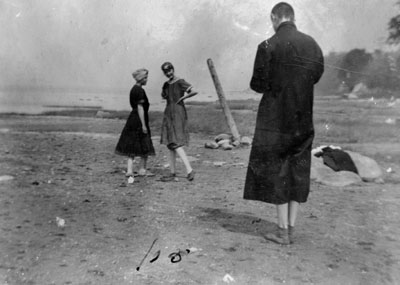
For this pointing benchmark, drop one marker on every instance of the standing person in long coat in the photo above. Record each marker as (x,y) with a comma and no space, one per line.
(285,70)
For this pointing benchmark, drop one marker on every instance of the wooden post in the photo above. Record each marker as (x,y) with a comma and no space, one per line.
(222,101)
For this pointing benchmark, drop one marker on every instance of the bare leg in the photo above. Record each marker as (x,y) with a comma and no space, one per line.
(143,165)
(282,212)
(172,161)
(293,207)
(282,236)
(129,170)
(182,154)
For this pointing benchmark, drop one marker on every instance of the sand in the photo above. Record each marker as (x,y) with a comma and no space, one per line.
(65,167)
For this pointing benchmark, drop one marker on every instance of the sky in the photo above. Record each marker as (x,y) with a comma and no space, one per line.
(97,44)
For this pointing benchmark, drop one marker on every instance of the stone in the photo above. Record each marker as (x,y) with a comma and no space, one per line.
(245,141)
(212,145)
(6,178)
(103,114)
(236,143)
(221,142)
(367,168)
(221,137)
(327,176)
(227,146)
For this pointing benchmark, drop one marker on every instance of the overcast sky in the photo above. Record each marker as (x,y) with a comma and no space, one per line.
(98,43)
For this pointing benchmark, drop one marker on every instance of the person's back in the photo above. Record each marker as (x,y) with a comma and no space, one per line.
(293,60)
(285,70)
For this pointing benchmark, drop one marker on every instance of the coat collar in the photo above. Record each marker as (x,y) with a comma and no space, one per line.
(287,24)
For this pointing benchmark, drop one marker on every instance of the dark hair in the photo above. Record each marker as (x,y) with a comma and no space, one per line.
(283,10)
(167,66)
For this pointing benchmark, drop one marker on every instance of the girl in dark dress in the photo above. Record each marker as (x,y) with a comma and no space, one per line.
(135,139)
(174,132)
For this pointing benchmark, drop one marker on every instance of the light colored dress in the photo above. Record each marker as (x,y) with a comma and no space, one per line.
(174,132)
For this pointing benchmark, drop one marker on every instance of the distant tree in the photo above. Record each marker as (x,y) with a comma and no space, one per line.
(353,66)
(394,29)
(330,82)
(384,71)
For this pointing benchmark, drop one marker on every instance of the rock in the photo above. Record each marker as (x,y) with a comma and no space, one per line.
(327,176)
(221,142)
(245,141)
(368,169)
(221,137)
(236,143)
(219,163)
(102,114)
(227,146)
(352,96)
(212,145)
(6,178)
(390,121)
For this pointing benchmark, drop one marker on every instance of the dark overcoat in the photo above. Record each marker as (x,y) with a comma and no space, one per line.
(285,70)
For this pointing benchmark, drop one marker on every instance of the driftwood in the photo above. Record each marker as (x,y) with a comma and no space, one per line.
(222,101)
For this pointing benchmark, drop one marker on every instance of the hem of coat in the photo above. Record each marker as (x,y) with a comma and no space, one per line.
(274,202)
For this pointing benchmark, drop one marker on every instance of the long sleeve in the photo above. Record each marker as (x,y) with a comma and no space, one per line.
(259,80)
(319,65)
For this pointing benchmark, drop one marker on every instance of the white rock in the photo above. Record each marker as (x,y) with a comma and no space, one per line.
(236,143)
(245,141)
(103,114)
(6,178)
(60,222)
(367,168)
(227,146)
(219,163)
(212,145)
(327,176)
(221,142)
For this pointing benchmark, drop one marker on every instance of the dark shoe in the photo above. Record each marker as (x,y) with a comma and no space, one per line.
(190,176)
(291,234)
(282,237)
(168,178)
(129,174)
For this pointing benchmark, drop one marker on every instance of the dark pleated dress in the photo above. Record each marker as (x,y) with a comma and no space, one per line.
(174,131)
(133,142)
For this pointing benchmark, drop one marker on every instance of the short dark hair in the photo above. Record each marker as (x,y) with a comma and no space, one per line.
(283,10)
(167,66)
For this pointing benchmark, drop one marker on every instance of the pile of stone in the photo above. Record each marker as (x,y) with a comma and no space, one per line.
(368,171)
(227,142)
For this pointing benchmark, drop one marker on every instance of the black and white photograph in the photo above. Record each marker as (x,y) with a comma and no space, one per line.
(199,142)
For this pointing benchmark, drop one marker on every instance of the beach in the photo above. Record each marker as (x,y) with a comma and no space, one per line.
(69,216)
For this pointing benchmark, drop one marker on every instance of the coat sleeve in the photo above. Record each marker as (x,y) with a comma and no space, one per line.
(259,79)
(319,64)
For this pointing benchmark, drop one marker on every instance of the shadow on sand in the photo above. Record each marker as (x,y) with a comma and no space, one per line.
(237,222)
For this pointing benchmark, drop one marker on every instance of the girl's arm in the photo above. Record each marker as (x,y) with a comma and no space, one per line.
(189,93)
(141,116)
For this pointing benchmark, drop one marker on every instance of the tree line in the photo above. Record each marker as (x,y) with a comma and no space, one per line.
(378,70)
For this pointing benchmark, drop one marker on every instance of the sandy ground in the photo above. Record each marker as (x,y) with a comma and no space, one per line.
(65,167)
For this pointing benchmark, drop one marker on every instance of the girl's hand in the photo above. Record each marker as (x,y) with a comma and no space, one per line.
(144,130)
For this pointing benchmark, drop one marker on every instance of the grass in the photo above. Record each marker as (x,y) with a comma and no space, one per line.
(336,120)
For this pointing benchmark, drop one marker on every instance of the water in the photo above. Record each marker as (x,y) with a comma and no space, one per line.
(39,100)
